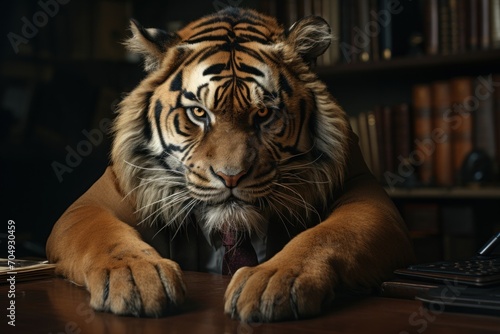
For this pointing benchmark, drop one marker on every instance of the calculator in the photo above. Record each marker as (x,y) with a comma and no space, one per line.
(480,270)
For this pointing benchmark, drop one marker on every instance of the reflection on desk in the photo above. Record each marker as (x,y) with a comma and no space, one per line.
(57,306)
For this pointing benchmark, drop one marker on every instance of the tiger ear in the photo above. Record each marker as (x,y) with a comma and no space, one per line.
(150,43)
(310,37)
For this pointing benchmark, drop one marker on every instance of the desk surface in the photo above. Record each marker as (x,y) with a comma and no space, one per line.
(57,306)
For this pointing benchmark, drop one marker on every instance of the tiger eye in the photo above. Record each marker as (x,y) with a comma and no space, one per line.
(198,112)
(263,112)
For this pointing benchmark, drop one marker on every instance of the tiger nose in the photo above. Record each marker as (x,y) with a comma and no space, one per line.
(231,181)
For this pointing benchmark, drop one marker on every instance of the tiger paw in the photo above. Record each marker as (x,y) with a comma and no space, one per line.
(136,284)
(277,292)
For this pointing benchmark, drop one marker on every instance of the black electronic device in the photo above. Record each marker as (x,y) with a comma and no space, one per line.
(481,270)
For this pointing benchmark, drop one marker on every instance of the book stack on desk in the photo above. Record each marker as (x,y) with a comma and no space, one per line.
(24,270)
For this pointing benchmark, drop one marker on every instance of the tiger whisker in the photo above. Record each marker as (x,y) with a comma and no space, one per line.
(302,180)
(280,215)
(280,199)
(163,200)
(297,155)
(299,200)
(192,204)
(153,169)
(146,182)
(180,198)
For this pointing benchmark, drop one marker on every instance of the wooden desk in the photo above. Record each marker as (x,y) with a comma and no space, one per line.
(57,306)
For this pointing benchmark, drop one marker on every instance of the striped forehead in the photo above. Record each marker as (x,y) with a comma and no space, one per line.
(223,80)
(228,62)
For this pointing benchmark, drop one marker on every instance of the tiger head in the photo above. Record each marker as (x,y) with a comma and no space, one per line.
(230,124)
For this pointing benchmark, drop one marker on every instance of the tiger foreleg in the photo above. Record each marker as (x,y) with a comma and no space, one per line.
(123,274)
(345,251)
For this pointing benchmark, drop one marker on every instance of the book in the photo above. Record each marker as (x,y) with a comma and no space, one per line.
(347,49)
(483,20)
(461,124)
(322,8)
(408,29)
(353,122)
(363,39)
(472,25)
(441,105)
(404,288)
(24,270)
(495,23)
(462,15)
(431,27)
(484,118)
(453,26)
(387,139)
(355,45)
(334,8)
(402,135)
(374,144)
(422,129)
(385,36)
(444,27)
(374,37)
(380,130)
(290,12)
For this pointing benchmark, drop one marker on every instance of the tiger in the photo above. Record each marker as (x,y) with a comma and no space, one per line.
(231,129)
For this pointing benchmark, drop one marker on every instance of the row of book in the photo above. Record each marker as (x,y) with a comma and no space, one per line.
(448,135)
(371,30)
(74,31)
(454,26)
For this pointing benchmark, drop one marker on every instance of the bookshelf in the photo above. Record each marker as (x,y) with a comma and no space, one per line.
(475,61)
(430,41)
(35,137)
(488,193)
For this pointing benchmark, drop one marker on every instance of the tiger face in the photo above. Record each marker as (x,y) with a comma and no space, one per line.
(230,124)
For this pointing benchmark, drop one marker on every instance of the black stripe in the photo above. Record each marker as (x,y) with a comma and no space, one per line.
(207,38)
(253,30)
(189,95)
(248,51)
(161,160)
(215,69)
(176,84)
(285,85)
(303,107)
(209,30)
(105,292)
(158,112)
(178,127)
(141,149)
(146,126)
(245,38)
(198,91)
(250,69)
(288,149)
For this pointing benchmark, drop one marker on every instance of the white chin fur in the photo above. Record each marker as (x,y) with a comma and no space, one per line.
(234,216)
